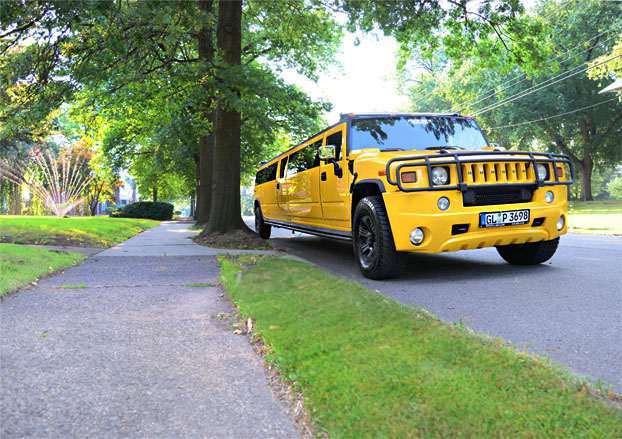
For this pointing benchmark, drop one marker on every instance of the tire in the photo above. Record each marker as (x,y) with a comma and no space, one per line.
(531,253)
(372,240)
(262,229)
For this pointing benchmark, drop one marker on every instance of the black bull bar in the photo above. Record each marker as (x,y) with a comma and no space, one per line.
(460,158)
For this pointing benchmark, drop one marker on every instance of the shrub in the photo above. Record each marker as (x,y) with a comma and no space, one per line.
(146,209)
(615,188)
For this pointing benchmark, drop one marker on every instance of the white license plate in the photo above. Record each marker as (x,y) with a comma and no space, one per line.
(505,218)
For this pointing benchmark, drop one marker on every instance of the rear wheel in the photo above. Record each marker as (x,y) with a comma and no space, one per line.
(373,242)
(531,253)
(262,229)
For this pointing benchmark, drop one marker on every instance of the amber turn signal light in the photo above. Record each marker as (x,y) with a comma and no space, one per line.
(409,177)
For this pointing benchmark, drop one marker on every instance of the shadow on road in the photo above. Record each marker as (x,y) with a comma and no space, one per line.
(422,268)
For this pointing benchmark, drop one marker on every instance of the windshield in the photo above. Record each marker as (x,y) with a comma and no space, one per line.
(416,132)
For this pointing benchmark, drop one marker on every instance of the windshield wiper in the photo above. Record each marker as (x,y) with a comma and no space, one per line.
(444,147)
(391,149)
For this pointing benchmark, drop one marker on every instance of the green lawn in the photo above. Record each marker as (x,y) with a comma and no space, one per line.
(370,367)
(596,216)
(20,265)
(76,231)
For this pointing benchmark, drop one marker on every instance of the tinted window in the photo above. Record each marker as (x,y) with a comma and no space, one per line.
(335,139)
(304,159)
(408,133)
(266,174)
(282,168)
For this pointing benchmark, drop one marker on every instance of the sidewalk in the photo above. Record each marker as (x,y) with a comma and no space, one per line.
(124,346)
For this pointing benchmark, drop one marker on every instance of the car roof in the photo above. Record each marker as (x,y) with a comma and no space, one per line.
(351,116)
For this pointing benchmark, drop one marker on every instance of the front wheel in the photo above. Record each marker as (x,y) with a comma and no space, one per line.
(373,242)
(531,253)
(262,229)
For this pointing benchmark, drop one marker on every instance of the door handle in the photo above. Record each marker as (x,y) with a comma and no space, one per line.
(323,176)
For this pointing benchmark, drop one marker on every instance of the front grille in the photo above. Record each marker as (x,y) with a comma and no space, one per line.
(487,196)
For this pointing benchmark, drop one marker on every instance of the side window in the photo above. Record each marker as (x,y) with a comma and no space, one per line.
(312,154)
(282,168)
(296,163)
(303,159)
(337,140)
(266,174)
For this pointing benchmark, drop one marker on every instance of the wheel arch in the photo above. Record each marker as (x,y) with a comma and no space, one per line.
(366,188)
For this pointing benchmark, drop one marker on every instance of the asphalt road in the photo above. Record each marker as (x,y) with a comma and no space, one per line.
(569,309)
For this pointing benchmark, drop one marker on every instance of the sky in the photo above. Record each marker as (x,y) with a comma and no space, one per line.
(364,82)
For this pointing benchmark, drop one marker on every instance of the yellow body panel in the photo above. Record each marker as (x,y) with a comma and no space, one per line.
(328,204)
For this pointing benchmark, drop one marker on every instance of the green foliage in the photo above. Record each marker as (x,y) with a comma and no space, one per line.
(20,265)
(572,34)
(370,367)
(139,86)
(147,210)
(615,188)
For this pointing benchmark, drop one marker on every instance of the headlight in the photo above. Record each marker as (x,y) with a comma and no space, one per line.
(443,203)
(439,176)
(543,171)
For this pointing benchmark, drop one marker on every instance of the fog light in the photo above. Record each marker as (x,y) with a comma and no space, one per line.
(416,236)
(549,197)
(443,203)
(561,222)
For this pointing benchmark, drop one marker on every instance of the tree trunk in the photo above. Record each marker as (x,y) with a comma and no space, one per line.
(154,192)
(587,165)
(16,200)
(225,212)
(196,194)
(206,141)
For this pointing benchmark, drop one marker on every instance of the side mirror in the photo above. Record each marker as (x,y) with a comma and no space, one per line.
(497,147)
(327,153)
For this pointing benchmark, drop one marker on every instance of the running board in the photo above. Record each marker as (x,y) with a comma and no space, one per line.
(318,231)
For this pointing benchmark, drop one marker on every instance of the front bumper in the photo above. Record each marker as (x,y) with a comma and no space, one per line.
(409,210)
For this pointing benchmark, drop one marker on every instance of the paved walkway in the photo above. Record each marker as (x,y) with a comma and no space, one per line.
(126,347)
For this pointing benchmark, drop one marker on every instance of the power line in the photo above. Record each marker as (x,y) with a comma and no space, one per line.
(514,81)
(541,86)
(554,116)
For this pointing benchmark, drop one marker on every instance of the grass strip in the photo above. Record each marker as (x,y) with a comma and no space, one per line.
(600,217)
(370,367)
(74,231)
(21,265)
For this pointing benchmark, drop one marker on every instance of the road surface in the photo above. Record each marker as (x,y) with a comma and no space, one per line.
(568,309)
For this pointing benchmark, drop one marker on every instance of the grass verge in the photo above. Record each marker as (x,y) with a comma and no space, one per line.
(368,366)
(602,217)
(21,265)
(74,231)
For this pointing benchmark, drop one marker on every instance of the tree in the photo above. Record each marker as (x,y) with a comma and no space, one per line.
(517,107)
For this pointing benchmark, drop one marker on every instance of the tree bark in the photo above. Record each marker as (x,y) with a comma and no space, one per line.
(206,142)
(587,165)
(225,214)
(154,192)
(16,200)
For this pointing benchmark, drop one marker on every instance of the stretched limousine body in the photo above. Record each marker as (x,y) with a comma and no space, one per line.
(416,182)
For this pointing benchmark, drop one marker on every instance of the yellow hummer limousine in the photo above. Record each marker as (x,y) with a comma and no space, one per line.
(415,182)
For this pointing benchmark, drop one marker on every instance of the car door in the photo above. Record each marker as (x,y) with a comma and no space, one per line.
(303,184)
(265,191)
(335,188)
(282,212)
